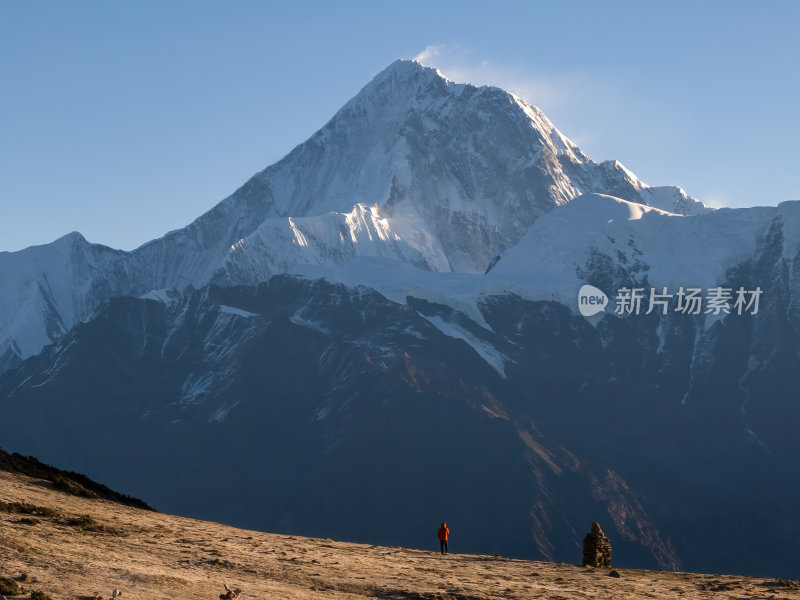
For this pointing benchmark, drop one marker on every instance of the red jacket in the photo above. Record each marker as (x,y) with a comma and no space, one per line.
(443,532)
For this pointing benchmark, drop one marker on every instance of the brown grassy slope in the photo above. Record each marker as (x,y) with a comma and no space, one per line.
(76,484)
(45,534)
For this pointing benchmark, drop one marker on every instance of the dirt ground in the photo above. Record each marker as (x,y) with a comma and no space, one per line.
(148,555)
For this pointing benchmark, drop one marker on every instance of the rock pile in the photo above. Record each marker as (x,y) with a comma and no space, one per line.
(596,548)
(230,594)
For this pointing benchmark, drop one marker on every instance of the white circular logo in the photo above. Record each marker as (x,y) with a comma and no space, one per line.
(591,300)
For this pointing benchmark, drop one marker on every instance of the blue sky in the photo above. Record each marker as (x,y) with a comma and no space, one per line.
(123,120)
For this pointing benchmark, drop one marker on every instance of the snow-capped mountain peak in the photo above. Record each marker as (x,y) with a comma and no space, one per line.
(399,85)
(415,168)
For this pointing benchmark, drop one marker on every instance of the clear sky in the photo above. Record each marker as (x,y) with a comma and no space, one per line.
(124,120)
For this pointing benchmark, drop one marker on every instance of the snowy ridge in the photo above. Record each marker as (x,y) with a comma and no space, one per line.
(563,249)
(47,289)
(673,250)
(279,245)
(486,351)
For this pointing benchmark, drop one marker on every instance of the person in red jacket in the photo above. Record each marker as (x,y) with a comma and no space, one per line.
(443,534)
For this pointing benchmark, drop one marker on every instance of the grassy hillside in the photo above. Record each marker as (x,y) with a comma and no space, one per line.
(67,546)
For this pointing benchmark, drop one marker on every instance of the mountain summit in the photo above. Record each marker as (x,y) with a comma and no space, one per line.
(438,175)
(459,172)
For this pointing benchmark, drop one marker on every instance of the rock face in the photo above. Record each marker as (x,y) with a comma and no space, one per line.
(301,388)
(596,548)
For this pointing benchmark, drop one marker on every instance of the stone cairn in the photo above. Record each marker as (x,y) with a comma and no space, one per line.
(596,548)
(230,594)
